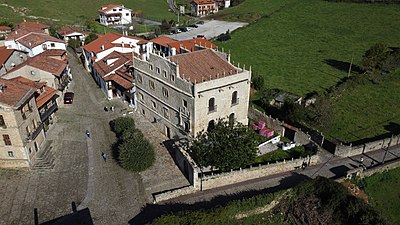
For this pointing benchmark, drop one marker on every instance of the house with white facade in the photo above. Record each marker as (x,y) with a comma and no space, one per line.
(113,15)
(68,32)
(33,43)
(110,42)
(187,93)
(114,75)
(204,7)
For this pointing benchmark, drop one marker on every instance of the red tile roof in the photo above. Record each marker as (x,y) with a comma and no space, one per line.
(201,2)
(15,93)
(41,97)
(192,44)
(163,41)
(5,28)
(32,25)
(108,7)
(34,39)
(103,69)
(18,33)
(105,40)
(204,65)
(45,63)
(5,54)
(66,30)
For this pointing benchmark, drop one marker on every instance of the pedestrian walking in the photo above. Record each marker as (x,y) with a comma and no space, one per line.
(88,133)
(104,156)
(112,108)
(105,109)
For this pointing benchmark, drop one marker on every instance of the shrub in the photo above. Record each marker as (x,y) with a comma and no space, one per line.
(136,154)
(121,124)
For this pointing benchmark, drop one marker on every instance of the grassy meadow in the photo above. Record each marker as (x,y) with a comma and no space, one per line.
(384,194)
(70,11)
(289,42)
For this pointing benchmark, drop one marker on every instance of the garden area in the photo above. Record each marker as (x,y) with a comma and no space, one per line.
(299,52)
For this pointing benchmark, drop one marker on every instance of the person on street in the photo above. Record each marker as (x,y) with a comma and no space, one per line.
(104,156)
(88,133)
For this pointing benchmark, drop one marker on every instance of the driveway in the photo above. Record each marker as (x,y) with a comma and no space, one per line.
(78,172)
(210,29)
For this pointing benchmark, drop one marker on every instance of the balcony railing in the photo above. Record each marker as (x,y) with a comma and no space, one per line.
(48,112)
(32,136)
(184,111)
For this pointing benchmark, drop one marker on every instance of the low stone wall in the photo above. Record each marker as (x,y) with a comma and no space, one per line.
(349,150)
(165,195)
(241,175)
(14,163)
(379,169)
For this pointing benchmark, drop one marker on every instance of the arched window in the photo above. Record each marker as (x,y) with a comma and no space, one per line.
(211,105)
(232,119)
(235,99)
(211,125)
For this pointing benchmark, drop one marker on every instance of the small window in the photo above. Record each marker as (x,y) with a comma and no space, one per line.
(30,150)
(28,130)
(10,153)
(114,9)
(127,14)
(165,92)
(141,97)
(184,103)
(53,45)
(235,99)
(187,126)
(153,103)
(165,73)
(44,46)
(151,84)
(6,139)
(143,112)
(151,67)
(34,124)
(158,70)
(2,123)
(166,113)
(139,78)
(211,105)
(120,9)
(172,78)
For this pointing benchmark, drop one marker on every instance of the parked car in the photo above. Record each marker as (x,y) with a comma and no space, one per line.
(68,97)
(201,22)
(183,29)
(193,26)
(200,36)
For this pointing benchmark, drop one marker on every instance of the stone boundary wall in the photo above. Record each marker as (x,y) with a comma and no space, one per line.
(165,195)
(349,150)
(218,180)
(14,163)
(300,137)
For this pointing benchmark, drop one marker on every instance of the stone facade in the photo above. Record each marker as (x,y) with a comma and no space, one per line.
(16,58)
(22,134)
(179,106)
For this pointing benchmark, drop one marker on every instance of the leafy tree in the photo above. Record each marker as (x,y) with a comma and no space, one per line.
(225,147)
(257,82)
(375,57)
(7,23)
(122,124)
(53,31)
(74,43)
(91,37)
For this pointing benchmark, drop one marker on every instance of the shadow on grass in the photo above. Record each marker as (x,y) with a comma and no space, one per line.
(392,128)
(343,66)
(152,211)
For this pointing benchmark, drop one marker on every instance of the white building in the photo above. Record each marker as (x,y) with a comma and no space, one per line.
(112,15)
(187,93)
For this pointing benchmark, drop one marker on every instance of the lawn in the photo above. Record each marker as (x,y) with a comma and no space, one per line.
(70,11)
(292,40)
(384,194)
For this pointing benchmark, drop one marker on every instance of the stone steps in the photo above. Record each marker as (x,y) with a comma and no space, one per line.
(45,159)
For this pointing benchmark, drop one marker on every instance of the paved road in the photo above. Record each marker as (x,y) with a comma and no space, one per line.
(113,195)
(210,29)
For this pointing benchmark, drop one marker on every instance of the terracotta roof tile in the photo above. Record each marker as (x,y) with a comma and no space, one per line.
(192,44)
(103,68)
(204,65)
(163,41)
(5,28)
(15,93)
(200,2)
(34,39)
(18,33)
(5,54)
(66,30)
(104,40)
(32,25)
(108,7)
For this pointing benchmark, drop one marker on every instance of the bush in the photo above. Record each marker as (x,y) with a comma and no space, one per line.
(257,82)
(121,124)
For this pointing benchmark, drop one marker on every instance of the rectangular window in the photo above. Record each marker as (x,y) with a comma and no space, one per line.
(23,115)
(127,14)
(151,67)
(151,84)
(184,103)
(141,97)
(172,78)
(158,70)
(165,73)
(165,92)
(53,45)
(166,113)
(10,153)
(153,103)
(139,78)
(34,124)
(2,123)
(6,139)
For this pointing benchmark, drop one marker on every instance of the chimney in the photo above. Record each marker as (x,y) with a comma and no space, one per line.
(102,47)
(30,43)
(2,87)
(173,51)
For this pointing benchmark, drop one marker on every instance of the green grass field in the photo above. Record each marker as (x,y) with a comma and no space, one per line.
(384,194)
(69,11)
(289,45)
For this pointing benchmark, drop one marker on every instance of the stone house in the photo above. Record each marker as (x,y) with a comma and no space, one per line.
(50,67)
(110,42)
(187,93)
(112,15)
(20,127)
(9,58)
(114,75)
(204,7)
(45,98)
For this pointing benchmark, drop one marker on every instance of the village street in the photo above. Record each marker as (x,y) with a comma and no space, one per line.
(78,173)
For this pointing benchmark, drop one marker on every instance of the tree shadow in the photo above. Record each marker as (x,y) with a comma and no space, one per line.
(343,66)
(152,211)
(339,171)
(391,127)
